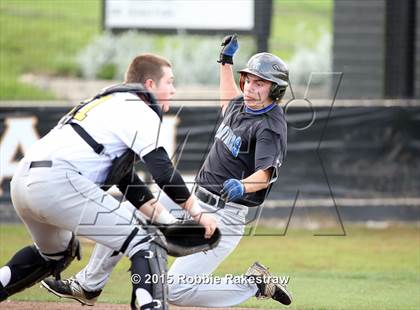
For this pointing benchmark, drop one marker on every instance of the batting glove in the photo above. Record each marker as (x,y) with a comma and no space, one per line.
(232,190)
(230,46)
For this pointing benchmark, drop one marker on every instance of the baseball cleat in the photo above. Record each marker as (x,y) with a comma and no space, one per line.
(70,288)
(267,288)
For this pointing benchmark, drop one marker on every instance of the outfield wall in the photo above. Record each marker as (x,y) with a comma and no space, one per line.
(357,157)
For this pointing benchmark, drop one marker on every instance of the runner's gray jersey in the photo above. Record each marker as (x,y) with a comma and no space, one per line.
(245,143)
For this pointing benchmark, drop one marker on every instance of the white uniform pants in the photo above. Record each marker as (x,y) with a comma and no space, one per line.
(231,222)
(55,201)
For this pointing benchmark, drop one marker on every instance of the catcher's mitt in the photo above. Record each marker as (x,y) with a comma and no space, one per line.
(187,237)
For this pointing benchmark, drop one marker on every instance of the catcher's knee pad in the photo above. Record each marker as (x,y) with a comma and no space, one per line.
(156,261)
(61,260)
(27,268)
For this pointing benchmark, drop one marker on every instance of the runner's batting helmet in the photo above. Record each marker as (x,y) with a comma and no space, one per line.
(268,67)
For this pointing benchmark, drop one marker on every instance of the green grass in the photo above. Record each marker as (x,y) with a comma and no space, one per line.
(44,36)
(299,24)
(367,269)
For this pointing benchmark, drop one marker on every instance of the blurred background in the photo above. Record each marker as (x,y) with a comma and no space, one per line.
(343,218)
(352,105)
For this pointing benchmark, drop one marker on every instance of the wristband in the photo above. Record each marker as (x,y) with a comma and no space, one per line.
(195,209)
(225,59)
(165,218)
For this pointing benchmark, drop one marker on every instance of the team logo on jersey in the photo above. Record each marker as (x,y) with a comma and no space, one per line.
(233,142)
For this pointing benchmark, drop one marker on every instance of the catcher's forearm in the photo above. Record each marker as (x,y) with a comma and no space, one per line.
(156,213)
(134,190)
(139,195)
(166,176)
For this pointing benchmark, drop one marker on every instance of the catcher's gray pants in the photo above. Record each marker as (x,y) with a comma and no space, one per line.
(55,201)
(183,291)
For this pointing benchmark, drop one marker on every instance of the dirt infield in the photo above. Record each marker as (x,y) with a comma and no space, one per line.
(27,305)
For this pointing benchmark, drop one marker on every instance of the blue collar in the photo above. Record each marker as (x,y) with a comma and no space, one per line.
(261,111)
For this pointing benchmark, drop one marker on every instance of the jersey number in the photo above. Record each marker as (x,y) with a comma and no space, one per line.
(82,112)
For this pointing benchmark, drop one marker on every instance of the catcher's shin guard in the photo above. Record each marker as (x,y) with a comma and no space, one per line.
(3,293)
(149,267)
(28,267)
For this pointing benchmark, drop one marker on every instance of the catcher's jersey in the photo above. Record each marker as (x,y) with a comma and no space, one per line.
(245,143)
(118,121)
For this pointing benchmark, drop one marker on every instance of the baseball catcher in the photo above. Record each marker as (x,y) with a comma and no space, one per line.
(58,187)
